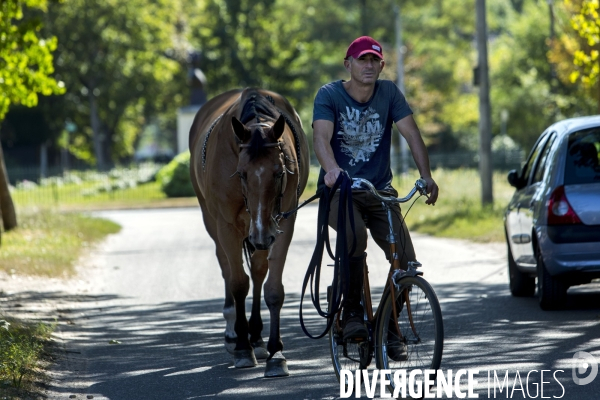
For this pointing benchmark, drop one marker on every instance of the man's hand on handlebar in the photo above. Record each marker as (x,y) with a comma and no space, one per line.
(432,191)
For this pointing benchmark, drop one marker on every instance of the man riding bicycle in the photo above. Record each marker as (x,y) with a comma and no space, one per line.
(352,124)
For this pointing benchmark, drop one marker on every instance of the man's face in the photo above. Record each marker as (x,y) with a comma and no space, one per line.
(365,69)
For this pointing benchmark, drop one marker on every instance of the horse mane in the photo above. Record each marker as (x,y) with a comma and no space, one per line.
(257,108)
(256,147)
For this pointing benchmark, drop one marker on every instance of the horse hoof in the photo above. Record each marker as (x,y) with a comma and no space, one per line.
(276,366)
(230,344)
(244,358)
(260,350)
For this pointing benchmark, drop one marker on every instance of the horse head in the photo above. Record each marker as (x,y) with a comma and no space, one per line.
(263,174)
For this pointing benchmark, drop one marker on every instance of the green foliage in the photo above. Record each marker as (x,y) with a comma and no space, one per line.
(20,349)
(25,59)
(586,22)
(122,63)
(527,76)
(174,178)
(125,62)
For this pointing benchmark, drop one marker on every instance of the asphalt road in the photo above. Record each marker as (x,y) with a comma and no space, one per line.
(150,324)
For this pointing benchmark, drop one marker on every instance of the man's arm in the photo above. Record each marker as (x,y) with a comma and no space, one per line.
(322,133)
(409,130)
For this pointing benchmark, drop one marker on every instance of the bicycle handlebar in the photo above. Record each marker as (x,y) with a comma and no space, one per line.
(420,186)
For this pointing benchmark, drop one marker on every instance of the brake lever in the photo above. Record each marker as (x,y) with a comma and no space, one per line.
(421,186)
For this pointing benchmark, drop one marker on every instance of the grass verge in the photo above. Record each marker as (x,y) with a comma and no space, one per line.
(459,213)
(48,243)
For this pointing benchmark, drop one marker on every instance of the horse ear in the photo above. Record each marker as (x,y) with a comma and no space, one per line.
(279,127)
(242,134)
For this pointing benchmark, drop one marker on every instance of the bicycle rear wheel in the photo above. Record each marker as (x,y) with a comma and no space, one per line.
(421,343)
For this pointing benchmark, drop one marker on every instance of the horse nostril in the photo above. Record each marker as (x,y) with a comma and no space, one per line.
(261,246)
(264,245)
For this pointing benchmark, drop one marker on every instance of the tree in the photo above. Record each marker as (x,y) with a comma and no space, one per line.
(585,20)
(122,66)
(262,43)
(25,69)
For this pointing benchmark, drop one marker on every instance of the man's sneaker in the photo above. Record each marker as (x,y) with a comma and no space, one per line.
(396,349)
(354,328)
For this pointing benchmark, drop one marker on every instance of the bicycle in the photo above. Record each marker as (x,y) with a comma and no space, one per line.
(406,331)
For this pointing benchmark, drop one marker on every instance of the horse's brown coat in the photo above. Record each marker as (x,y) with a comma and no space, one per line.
(222,172)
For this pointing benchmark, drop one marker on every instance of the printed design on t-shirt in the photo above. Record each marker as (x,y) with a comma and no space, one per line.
(360,134)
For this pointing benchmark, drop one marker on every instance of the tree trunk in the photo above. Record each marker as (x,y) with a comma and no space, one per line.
(598,89)
(98,137)
(7,207)
(364,19)
(485,120)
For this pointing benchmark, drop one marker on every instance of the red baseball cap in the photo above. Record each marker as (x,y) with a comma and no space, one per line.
(364,45)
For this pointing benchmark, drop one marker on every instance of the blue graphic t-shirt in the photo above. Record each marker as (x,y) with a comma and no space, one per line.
(362,135)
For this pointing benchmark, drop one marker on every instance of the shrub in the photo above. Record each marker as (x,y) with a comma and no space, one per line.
(174,178)
(20,349)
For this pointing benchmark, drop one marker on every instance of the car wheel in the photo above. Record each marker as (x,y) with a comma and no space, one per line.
(552,293)
(521,285)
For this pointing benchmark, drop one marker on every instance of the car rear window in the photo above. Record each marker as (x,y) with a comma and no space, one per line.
(582,157)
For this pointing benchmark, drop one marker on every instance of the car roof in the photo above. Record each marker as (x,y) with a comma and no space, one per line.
(567,126)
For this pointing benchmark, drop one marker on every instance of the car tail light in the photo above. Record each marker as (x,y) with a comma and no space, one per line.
(560,211)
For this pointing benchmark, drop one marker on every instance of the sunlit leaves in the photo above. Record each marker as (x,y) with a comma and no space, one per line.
(586,22)
(25,59)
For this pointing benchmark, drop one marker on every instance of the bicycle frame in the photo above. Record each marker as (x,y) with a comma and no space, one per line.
(395,272)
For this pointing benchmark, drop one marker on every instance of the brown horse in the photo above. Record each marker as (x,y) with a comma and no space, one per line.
(249,163)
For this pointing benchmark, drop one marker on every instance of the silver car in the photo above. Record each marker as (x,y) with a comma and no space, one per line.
(552,222)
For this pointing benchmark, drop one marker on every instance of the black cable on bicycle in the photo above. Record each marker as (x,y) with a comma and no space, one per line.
(341,272)
(402,219)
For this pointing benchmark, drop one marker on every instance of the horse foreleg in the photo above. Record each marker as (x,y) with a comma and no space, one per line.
(239,286)
(229,306)
(258,271)
(274,297)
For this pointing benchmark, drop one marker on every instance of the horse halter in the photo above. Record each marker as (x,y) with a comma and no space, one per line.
(278,144)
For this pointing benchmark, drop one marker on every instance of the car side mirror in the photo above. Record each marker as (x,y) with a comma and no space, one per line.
(514,179)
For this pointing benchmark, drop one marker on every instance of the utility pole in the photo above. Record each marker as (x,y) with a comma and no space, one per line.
(400,49)
(485,126)
(551,12)
(364,19)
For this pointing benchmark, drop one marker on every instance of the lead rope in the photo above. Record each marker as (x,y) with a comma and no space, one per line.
(341,272)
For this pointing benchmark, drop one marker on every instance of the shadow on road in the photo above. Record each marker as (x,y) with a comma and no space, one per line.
(175,350)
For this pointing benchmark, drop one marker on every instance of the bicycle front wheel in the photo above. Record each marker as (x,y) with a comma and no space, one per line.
(418,341)
(347,355)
